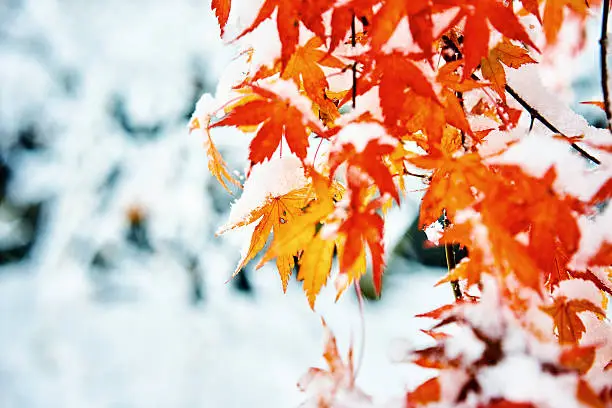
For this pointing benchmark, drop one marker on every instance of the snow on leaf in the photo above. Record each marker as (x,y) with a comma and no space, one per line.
(477,33)
(564,312)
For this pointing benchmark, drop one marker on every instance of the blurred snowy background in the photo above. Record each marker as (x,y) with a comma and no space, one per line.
(112,288)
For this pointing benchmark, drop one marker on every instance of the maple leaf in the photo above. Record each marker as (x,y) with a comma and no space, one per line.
(363,226)
(396,74)
(222,10)
(369,161)
(338,378)
(420,21)
(315,265)
(289,15)
(603,257)
(568,325)
(536,209)
(576,358)
(216,164)
(510,55)
(479,14)
(302,236)
(343,18)
(532,7)
(493,249)
(304,69)
(277,118)
(554,15)
(276,212)
(453,184)
(449,77)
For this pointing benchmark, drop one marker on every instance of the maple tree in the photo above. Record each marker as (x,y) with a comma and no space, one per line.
(361,94)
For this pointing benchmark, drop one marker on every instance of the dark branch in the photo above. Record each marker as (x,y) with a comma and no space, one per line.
(603,47)
(353,44)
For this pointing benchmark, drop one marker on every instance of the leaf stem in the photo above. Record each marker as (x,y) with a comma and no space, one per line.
(603,51)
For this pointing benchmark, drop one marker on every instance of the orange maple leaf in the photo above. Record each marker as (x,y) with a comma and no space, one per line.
(449,77)
(343,16)
(576,358)
(363,226)
(277,117)
(568,325)
(479,14)
(510,55)
(554,15)
(453,184)
(532,7)
(419,14)
(395,73)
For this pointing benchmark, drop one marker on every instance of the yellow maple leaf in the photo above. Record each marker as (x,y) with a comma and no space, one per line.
(272,216)
(315,266)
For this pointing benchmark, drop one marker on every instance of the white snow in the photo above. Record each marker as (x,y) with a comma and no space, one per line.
(434,232)
(359,134)
(579,289)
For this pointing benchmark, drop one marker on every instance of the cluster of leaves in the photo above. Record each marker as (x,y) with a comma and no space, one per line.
(356,100)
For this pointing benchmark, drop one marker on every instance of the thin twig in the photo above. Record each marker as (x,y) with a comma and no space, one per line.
(354,68)
(535,114)
(603,53)
(451,262)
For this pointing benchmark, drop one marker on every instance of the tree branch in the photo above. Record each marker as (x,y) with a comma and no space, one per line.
(354,68)
(451,261)
(535,114)
(603,53)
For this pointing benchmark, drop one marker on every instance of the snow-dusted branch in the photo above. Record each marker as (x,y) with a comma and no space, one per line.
(537,115)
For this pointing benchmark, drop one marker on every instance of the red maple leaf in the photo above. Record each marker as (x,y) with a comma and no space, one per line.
(276,118)
(222,10)
(289,15)
(479,14)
